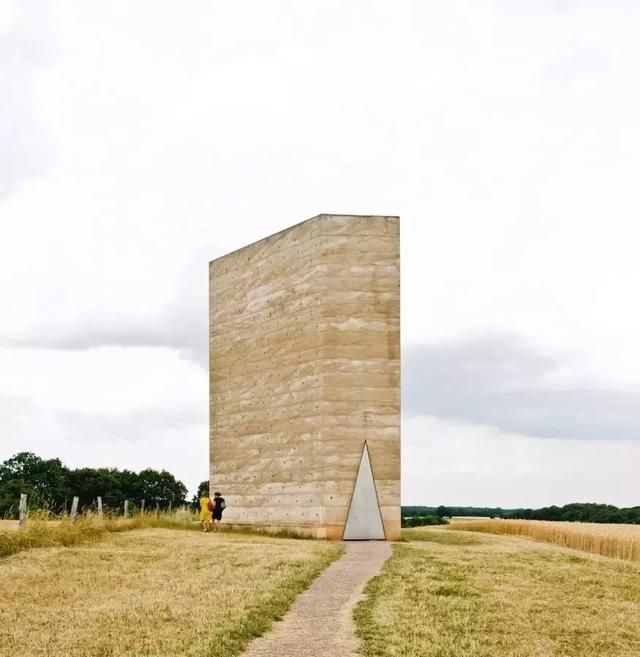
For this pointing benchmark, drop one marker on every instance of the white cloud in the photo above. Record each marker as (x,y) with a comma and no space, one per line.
(143,140)
(25,48)
(503,381)
(122,407)
(454,463)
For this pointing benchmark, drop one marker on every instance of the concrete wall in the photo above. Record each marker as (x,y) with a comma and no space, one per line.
(304,367)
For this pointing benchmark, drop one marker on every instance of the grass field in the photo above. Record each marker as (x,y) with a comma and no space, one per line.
(619,541)
(450,593)
(46,531)
(152,592)
(8,525)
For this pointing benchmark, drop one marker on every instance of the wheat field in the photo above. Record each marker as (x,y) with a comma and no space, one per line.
(619,541)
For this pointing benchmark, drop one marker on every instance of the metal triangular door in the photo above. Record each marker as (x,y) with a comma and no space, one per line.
(364,522)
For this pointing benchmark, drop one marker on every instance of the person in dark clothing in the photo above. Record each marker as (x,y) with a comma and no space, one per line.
(218,507)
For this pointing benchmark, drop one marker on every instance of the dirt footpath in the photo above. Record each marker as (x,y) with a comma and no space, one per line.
(320,621)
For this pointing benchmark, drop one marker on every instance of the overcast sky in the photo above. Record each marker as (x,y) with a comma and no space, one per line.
(140,140)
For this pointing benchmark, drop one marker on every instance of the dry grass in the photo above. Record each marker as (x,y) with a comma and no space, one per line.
(8,525)
(41,532)
(619,541)
(465,518)
(446,538)
(45,530)
(499,597)
(152,592)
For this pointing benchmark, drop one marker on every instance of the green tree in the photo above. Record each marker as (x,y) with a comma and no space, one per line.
(90,483)
(203,487)
(161,488)
(46,482)
(10,491)
(49,484)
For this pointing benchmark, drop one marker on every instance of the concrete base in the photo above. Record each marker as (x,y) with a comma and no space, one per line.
(328,532)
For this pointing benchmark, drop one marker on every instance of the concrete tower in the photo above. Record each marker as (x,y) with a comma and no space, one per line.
(304,347)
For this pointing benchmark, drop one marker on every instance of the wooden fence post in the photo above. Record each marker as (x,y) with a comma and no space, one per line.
(157,509)
(99,507)
(74,508)
(126,508)
(22,511)
(141,507)
(169,506)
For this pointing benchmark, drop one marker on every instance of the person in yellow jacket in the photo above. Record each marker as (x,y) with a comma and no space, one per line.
(206,505)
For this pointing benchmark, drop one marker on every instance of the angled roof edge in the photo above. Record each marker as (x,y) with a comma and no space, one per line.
(304,221)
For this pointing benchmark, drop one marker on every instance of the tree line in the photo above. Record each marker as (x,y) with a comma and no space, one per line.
(51,485)
(423,521)
(582,512)
(575,512)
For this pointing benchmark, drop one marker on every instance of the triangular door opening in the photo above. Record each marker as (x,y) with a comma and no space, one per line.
(364,522)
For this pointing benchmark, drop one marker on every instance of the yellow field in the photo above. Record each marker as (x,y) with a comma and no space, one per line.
(13,525)
(153,592)
(465,518)
(46,531)
(8,525)
(619,541)
(449,593)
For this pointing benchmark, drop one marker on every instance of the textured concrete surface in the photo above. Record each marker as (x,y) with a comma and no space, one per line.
(320,622)
(304,367)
